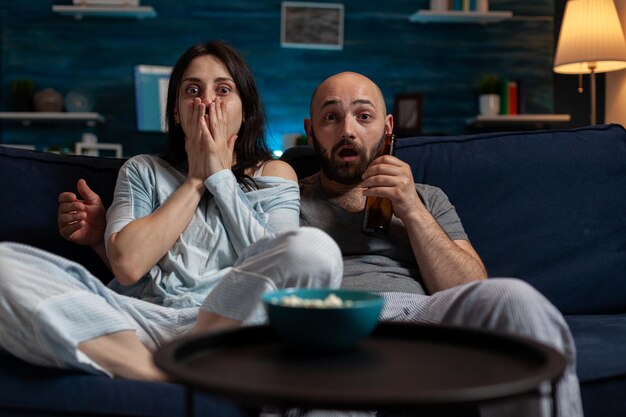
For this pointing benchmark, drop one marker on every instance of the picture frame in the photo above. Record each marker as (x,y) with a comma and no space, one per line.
(151,83)
(311,25)
(408,114)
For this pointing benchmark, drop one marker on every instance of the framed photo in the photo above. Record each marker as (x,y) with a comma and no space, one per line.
(407,114)
(311,25)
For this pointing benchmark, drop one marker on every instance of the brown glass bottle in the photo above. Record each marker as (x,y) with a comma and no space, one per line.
(378,210)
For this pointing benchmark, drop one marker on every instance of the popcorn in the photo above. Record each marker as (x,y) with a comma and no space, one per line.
(331,301)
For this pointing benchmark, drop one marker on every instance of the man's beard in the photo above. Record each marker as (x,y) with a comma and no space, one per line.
(345,172)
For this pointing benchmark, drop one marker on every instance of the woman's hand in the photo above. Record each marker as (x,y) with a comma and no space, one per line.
(207,142)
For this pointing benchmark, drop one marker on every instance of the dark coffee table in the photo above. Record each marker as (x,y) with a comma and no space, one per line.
(400,366)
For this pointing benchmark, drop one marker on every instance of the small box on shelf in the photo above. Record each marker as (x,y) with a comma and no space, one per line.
(93,149)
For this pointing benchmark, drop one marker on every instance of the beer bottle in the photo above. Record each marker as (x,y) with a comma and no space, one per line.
(378,210)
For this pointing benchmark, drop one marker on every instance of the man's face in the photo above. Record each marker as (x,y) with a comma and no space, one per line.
(346,162)
(348,123)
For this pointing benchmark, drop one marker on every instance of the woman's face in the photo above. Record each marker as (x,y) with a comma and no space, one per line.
(207,78)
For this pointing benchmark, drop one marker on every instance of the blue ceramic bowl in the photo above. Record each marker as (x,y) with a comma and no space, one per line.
(324,328)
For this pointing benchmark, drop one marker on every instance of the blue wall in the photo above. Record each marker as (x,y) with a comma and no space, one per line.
(442,61)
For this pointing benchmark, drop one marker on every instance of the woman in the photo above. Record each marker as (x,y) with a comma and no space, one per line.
(194,237)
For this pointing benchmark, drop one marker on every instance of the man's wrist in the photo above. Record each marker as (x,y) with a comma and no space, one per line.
(100,249)
(418,216)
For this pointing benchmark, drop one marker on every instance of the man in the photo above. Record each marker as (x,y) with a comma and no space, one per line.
(426,269)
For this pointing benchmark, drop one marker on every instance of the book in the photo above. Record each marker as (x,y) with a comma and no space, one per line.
(512,96)
(439,5)
(504,97)
(521,96)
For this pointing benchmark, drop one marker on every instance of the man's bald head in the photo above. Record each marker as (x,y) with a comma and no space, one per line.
(347,81)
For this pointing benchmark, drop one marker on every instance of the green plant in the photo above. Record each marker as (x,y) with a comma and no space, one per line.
(22,86)
(23,90)
(488,84)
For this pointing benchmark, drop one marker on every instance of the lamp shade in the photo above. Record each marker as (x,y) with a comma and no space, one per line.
(591,35)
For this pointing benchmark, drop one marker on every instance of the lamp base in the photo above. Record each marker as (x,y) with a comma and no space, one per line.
(592,68)
(593,96)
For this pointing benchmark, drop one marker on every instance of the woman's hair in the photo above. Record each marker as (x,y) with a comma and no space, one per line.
(250,146)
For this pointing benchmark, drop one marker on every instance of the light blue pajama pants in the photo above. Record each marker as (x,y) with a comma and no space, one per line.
(49,305)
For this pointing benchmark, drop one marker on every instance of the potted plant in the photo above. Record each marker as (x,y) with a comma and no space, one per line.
(488,87)
(23,90)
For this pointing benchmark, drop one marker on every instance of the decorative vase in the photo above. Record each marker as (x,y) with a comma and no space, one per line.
(482,6)
(79,100)
(48,100)
(489,104)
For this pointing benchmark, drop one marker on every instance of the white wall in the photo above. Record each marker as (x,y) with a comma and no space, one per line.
(615,99)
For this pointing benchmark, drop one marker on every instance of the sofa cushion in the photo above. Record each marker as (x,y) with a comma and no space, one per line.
(31,206)
(604,398)
(34,390)
(302,159)
(600,345)
(548,207)
(601,368)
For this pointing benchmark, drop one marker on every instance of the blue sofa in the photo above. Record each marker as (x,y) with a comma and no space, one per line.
(548,207)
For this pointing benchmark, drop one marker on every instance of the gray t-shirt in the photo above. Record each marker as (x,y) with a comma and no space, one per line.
(373,263)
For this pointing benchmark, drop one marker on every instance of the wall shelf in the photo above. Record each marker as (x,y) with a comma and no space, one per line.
(80,11)
(521,118)
(515,122)
(90,119)
(455,16)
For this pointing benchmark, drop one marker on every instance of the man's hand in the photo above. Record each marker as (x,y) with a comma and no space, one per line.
(390,177)
(82,221)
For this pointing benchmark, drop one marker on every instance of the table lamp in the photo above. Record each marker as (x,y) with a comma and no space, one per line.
(591,41)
